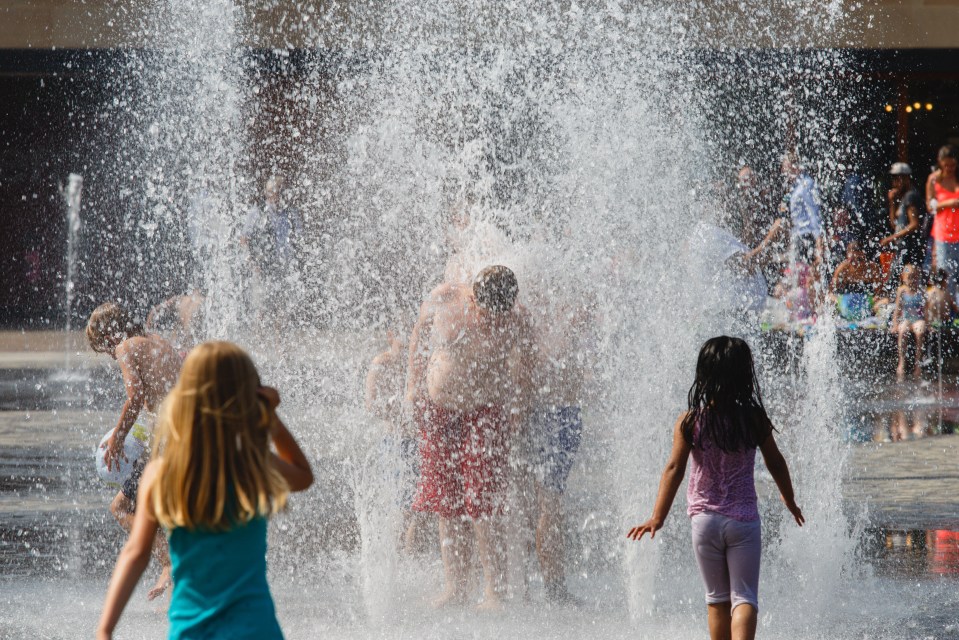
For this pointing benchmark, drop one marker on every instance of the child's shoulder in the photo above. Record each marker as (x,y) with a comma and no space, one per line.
(385,359)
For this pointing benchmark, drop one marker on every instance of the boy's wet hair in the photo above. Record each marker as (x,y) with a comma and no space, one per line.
(940,277)
(495,289)
(110,320)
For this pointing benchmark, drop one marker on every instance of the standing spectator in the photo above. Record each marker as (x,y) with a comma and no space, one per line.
(271,234)
(905,218)
(754,207)
(271,231)
(802,203)
(854,203)
(942,196)
(760,228)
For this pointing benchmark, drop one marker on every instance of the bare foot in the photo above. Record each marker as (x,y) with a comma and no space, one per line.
(901,372)
(162,584)
(917,372)
(490,602)
(449,598)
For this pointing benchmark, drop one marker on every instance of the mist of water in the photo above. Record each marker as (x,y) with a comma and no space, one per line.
(581,140)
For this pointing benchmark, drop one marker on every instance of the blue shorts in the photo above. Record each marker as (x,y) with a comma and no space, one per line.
(132,484)
(407,473)
(555,435)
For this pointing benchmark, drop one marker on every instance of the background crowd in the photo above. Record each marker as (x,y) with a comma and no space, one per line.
(880,256)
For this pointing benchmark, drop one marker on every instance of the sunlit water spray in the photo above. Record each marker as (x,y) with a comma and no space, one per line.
(572,142)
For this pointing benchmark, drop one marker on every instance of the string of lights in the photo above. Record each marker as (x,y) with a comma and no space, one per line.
(915,106)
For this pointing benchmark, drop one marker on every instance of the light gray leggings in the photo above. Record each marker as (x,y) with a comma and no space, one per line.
(728,553)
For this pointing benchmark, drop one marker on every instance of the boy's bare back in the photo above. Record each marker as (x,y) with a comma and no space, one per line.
(150,366)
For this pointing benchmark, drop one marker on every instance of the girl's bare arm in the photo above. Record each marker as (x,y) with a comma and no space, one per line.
(668,485)
(289,459)
(776,464)
(133,559)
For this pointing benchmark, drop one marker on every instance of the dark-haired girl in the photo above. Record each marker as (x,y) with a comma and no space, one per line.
(725,424)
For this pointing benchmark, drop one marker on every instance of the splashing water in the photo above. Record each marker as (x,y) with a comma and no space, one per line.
(574,142)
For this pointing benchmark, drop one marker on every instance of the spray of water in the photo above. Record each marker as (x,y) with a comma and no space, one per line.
(580,142)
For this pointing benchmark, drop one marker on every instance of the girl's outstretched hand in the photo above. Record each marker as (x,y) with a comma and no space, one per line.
(651,526)
(795,510)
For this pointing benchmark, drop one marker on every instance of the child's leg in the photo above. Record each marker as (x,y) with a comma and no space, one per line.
(719,619)
(903,329)
(742,556)
(743,622)
(710,550)
(919,329)
(161,551)
(456,550)
(122,509)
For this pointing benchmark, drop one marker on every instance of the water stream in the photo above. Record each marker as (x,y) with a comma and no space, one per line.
(580,142)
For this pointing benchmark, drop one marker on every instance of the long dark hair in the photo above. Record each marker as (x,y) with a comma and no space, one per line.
(725,399)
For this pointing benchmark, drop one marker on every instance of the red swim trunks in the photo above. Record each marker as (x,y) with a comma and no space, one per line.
(463,461)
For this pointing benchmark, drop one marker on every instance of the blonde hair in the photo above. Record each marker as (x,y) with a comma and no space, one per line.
(212,445)
(110,320)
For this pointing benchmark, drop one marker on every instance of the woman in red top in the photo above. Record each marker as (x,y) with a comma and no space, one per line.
(942,197)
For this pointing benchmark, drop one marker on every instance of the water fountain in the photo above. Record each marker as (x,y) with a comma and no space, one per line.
(588,136)
(72,195)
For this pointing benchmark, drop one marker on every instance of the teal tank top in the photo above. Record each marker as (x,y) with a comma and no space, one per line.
(219,585)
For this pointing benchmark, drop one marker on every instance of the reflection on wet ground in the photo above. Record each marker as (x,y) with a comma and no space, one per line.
(54,522)
(913,553)
(898,411)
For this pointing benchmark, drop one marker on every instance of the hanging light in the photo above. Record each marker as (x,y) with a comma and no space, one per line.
(888,108)
(917,106)
(928,106)
(909,109)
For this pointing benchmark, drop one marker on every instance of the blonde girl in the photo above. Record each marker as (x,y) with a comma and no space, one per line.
(211,485)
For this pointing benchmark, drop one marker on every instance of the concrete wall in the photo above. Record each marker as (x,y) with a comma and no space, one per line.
(871,24)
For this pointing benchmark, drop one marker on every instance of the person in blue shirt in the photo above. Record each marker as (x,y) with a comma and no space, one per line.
(802,203)
(211,485)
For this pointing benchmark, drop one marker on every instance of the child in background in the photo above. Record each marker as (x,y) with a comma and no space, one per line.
(799,299)
(179,319)
(940,305)
(211,485)
(385,392)
(907,318)
(150,366)
(725,423)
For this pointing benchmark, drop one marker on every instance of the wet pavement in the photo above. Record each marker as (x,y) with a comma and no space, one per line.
(54,522)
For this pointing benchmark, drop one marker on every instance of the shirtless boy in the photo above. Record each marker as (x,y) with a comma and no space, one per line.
(150,366)
(469,351)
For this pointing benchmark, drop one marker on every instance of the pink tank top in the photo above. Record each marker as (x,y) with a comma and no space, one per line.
(945,226)
(722,482)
